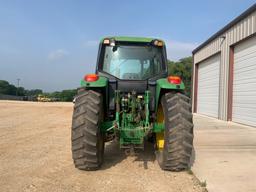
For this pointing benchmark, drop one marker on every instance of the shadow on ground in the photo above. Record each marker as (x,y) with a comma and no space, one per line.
(193,157)
(114,155)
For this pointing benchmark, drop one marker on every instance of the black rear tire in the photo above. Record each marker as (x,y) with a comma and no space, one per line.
(178,134)
(87,140)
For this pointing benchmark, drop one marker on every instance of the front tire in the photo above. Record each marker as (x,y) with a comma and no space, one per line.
(87,140)
(178,133)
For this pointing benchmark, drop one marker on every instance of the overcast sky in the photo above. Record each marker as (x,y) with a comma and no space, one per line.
(51,44)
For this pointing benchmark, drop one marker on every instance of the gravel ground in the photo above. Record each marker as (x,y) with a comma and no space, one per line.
(35,155)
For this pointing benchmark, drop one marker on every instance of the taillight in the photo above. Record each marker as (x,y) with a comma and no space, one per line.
(174,79)
(91,77)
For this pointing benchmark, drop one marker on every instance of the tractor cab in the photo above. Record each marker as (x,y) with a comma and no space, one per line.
(132,64)
(132,60)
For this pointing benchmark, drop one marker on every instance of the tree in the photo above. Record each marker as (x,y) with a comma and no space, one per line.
(182,68)
(68,95)
(20,91)
(6,88)
(65,95)
(33,92)
(9,89)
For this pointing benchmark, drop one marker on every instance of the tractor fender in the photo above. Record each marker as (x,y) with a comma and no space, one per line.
(100,85)
(163,86)
(101,82)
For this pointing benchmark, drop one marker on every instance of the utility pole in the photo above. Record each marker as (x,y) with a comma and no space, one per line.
(18,84)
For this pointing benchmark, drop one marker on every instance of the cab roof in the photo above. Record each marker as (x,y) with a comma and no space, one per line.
(131,39)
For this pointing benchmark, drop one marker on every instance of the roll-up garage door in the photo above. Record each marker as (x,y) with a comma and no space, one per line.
(244,84)
(208,86)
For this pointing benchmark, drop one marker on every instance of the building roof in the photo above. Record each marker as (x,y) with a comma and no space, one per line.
(228,26)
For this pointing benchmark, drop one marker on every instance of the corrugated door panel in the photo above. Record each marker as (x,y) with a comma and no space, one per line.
(208,86)
(244,85)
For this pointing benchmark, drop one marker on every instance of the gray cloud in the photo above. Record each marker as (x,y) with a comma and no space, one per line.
(177,50)
(57,54)
(91,43)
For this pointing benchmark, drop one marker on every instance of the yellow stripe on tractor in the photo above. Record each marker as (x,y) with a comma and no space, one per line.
(160,135)
(160,140)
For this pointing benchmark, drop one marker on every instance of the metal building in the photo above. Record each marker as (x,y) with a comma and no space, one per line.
(224,72)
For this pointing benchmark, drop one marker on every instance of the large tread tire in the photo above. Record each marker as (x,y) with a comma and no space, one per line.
(178,134)
(87,140)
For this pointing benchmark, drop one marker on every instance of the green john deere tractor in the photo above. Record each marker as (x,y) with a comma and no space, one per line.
(131,98)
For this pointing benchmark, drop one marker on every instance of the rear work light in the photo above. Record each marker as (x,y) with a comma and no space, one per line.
(158,43)
(91,77)
(174,79)
(110,42)
(106,41)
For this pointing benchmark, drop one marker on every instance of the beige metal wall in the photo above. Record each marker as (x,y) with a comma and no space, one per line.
(238,32)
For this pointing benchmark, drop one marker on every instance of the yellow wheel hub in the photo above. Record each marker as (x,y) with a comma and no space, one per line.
(160,135)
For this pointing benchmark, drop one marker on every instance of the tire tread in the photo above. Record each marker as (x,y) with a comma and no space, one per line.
(87,151)
(178,145)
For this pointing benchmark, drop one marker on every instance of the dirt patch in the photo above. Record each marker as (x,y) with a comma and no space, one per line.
(35,155)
